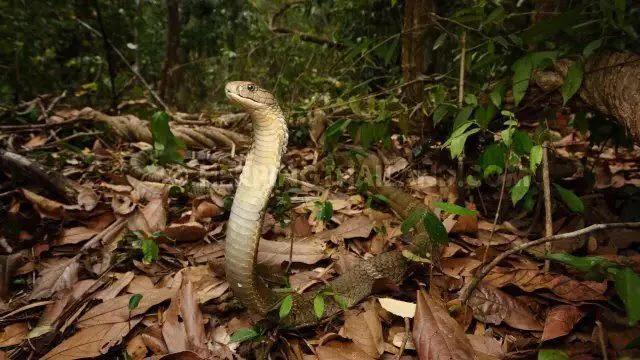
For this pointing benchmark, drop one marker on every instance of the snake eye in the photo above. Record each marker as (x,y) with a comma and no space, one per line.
(251,87)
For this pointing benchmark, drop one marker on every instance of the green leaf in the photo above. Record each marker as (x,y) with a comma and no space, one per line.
(497,93)
(471,99)
(522,69)
(440,41)
(507,135)
(150,250)
(411,220)
(463,116)
(520,189)
(633,343)
(244,334)
(522,143)
(572,200)
(535,157)
(582,263)
(167,147)
(591,48)
(326,211)
(436,230)
(552,355)
(454,209)
(341,301)
(134,300)
(572,81)
(440,113)
(493,159)
(318,305)
(485,115)
(285,307)
(627,284)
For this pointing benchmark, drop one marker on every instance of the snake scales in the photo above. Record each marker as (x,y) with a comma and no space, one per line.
(247,213)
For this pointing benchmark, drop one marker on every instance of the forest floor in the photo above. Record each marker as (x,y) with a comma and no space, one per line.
(136,267)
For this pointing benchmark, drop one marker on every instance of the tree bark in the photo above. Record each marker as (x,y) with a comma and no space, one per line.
(415,21)
(169,77)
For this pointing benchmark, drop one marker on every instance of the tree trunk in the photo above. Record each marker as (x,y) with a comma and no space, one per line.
(610,85)
(415,21)
(169,77)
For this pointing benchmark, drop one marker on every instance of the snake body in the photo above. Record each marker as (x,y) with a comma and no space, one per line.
(256,182)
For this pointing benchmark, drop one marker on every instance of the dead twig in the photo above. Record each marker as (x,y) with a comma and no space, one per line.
(466,292)
(546,188)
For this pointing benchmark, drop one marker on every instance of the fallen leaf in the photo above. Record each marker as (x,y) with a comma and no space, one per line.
(147,190)
(187,232)
(56,274)
(122,281)
(341,351)
(355,227)
(560,321)
(492,305)
(301,227)
(532,279)
(396,165)
(155,213)
(399,308)
(75,235)
(117,310)
(45,207)
(183,326)
(436,334)
(13,334)
(486,346)
(91,341)
(459,267)
(206,209)
(87,198)
(122,204)
(136,349)
(365,329)
(423,183)
(35,141)
(273,253)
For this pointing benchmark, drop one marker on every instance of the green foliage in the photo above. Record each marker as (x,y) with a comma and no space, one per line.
(572,81)
(454,209)
(520,189)
(245,334)
(167,148)
(418,218)
(134,301)
(285,306)
(552,355)
(626,281)
(574,203)
(318,305)
(150,250)
(325,210)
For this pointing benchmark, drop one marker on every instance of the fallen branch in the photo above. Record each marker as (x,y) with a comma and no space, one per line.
(37,174)
(475,280)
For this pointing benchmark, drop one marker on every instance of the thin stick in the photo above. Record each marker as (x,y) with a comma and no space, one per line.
(466,292)
(463,49)
(407,333)
(603,345)
(497,216)
(548,221)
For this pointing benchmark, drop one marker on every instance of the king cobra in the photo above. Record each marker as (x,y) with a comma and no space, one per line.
(256,182)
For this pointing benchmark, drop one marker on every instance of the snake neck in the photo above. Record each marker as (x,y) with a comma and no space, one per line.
(255,185)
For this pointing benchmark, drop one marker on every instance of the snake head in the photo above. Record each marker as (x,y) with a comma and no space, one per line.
(249,95)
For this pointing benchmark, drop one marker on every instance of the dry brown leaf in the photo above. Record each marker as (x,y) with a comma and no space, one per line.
(187,232)
(13,334)
(530,280)
(560,321)
(486,347)
(147,190)
(45,207)
(273,253)
(396,165)
(155,344)
(56,274)
(399,308)
(116,310)
(206,286)
(122,280)
(205,253)
(136,349)
(140,284)
(492,305)
(424,183)
(155,213)
(365,329)
(116,188)
(206,209)
(458,267)
(50,318)
(341,351)
(35,141)
(122,204)
(75,235)
(436,334)
(301,227)
(87,198)
(91,342)
(183,326)
(355,227)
